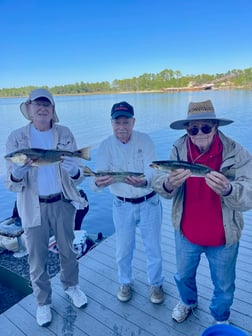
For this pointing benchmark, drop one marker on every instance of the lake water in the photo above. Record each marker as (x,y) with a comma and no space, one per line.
(88,117)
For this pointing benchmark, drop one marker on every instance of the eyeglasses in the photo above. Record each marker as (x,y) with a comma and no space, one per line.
(206,129)
(39,104)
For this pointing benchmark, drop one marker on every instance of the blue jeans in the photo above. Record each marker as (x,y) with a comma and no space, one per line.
(148,217)
(222,263)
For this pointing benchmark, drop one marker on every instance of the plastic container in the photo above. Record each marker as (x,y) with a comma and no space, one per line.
(223,330)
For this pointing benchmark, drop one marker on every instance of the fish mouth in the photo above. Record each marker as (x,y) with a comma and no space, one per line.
(153,165)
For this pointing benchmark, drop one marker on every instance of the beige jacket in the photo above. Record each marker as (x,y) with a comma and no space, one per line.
(27,191)
(237,166)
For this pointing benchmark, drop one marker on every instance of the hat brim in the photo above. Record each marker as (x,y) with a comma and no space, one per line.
(180,124)
(118,114)
(24,110)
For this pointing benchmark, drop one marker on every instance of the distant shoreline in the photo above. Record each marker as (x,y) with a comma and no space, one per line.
(164,90)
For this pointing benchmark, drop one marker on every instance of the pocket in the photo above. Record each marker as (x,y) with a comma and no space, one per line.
(139,160)
(64,143)
(118,203)
(154,201)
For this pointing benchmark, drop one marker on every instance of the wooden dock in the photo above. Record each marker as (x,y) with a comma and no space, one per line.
(105,315)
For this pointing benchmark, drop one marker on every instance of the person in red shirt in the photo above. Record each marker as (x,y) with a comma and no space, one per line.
(206,211)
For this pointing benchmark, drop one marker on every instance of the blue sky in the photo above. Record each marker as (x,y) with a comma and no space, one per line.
(55,42)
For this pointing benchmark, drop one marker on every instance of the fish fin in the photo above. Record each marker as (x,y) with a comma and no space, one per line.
(83,153)
(88,172)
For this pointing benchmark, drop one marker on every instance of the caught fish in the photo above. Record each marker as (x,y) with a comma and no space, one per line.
(43,157)
(198,170)
(118,176)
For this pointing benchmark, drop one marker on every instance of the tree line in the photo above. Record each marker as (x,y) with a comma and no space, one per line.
(146,82)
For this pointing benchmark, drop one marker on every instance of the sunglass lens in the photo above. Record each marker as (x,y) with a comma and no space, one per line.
(206,129)
(193,131)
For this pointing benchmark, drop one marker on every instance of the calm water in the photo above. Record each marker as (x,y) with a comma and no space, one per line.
(89,119)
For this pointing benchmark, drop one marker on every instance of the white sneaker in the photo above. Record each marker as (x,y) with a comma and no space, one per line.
(181,312)
(76,295)
(222,322)
(44,315)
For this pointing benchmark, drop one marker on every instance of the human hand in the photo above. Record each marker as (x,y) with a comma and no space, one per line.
(135,181)
(176,178)
(218,183)
(18,172)
(70,165)
(104,181)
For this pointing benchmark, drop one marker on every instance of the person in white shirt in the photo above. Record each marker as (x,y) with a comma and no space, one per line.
(45,198)
(135,204)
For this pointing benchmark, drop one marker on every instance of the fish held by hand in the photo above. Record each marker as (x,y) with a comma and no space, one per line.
(167,166)
(43,157)
(117,176)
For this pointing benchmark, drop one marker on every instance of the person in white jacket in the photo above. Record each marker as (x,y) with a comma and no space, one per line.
(135,204)
(45,198)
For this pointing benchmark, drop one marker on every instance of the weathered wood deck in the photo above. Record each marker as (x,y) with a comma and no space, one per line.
(105,315)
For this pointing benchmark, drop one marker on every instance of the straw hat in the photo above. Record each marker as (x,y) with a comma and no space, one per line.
(200,111)
(35,94)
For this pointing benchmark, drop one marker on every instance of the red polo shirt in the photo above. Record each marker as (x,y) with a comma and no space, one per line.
(202,222)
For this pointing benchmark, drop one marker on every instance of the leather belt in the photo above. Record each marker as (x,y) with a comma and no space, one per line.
(51,198)
(137,200)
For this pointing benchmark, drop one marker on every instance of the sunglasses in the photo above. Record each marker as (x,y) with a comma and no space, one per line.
(206,129)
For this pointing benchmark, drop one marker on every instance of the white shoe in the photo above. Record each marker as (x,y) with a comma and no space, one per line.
(76,295)
(222,322)
(44,315)
(181,312)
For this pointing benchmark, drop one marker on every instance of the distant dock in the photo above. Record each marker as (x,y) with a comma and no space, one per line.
(189,88)
(105,315)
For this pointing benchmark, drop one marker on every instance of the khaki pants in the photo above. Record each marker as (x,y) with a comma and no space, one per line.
(58,217)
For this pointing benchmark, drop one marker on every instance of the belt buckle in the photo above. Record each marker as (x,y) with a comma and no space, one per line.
(52,198)
(59,197)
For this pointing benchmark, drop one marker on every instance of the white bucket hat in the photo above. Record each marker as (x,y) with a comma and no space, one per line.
(200,111)
(35,94)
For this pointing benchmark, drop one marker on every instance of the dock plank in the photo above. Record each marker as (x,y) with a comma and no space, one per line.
(105,315)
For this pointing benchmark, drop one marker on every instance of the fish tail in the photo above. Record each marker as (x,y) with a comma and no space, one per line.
(83,153)
(88,172)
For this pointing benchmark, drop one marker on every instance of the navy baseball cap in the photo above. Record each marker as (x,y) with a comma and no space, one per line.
(122,109)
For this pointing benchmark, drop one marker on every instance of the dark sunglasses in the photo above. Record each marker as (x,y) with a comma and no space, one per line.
(206,129)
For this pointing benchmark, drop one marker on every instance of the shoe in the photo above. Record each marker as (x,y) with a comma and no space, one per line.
(181,312)
(76,295)
(222,322)
(44,315)
(156,294)
(124,293)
